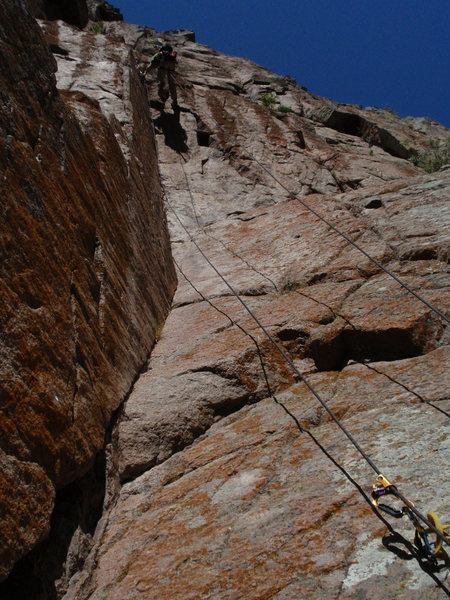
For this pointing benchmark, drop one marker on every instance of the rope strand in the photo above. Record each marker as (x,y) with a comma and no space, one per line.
(364,455)
(330,225)
(334,228)
(275,343)
(281,350)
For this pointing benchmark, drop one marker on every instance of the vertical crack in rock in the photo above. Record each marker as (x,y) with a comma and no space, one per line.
(44,573)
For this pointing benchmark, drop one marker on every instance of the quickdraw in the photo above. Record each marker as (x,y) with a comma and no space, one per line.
(431,549)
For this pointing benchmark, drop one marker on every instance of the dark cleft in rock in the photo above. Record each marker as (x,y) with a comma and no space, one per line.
(74,12)
(355,124)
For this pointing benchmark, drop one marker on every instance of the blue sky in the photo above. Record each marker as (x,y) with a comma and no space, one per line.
(382,53)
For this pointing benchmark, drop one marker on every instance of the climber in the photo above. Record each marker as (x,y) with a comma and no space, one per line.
(165,59)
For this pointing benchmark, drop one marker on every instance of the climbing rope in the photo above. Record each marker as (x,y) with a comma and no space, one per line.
(217,240)
(433,524)
(232,252)
(300,427)
(370,367)
(410,508)
(423,400)
(294,196)
(274,342)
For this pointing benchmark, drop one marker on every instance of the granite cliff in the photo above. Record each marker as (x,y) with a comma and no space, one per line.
(194,482)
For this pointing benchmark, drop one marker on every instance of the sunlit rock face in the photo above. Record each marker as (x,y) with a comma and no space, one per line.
(86,270)
(221,496)
(212,491)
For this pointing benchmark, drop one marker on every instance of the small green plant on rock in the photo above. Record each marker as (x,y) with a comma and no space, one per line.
(96,27)
(290,283)
(268,100)
(433,159)
(159,326)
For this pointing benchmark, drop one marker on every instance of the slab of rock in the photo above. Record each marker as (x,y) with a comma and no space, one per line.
(254,509)
(351,313)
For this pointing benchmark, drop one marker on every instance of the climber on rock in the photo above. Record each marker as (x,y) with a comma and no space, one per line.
(165,60)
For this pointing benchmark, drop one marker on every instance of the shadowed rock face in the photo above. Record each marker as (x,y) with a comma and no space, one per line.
(103,11)
(212,492)
(86,272)
(76,12)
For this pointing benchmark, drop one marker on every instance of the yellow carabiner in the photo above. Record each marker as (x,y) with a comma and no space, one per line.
(434,519)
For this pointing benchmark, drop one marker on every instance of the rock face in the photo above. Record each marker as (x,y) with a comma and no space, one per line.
(219,494)
(86,269)
(213,490)
(74,12)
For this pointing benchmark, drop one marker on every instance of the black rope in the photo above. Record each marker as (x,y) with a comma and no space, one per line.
(232,252)
(287,358)
(334,313)
(423,400)
(303,430)
(370,367)
(418,514)
(277,346)
(271,395)
(333,227)
(301,376)
(406,388)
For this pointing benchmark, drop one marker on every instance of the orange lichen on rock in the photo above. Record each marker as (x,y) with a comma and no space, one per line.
(86,275)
